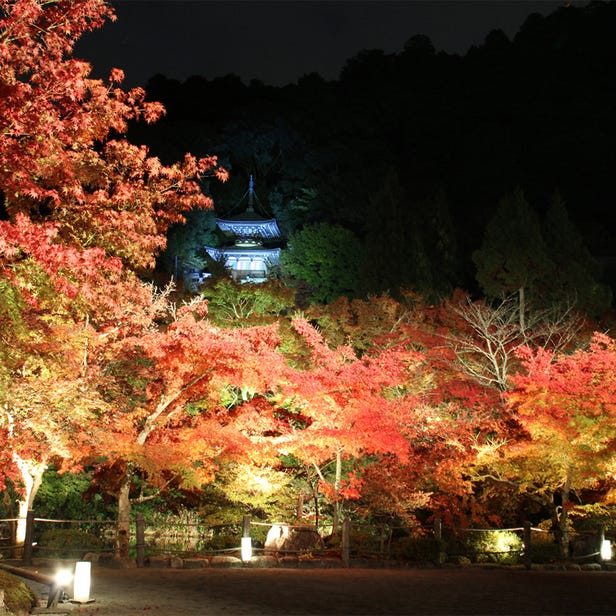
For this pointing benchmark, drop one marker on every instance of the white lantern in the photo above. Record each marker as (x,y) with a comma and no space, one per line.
(606,549)
(246,549)
(81,583)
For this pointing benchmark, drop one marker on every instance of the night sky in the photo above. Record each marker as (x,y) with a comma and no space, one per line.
(278,42)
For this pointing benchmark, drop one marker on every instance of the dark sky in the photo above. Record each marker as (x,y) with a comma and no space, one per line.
(279,41)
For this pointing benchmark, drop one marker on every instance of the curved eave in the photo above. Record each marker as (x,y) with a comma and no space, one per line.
(258,227)
(267,254)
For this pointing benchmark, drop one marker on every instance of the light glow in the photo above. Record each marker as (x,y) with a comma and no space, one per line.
(246,549)
(63,577)
(606,549)
(81,585)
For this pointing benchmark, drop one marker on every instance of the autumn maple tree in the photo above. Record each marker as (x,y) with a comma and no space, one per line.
(564,406)
(82,211)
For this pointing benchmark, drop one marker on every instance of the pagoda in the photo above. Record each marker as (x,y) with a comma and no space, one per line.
(254,252)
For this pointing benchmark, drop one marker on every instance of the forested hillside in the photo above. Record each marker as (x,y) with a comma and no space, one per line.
(414,151)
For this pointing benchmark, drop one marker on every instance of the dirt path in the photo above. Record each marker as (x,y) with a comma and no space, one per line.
(348,592)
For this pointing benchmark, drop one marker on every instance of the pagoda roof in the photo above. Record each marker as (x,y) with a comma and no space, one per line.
(247,216)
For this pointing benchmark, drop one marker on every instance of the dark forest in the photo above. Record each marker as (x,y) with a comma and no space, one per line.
(413,152)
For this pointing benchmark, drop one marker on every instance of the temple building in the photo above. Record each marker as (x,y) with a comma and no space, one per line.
(255,250)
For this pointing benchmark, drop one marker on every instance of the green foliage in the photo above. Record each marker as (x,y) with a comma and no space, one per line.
(67,543)
(18,596)
(290,215)
(418,548)
(575,277)
(239,305)
(513,254)
(65,496)
(327,258)
(409,242)
(590,517)
(186,242)
(497,546)
(184,532)
(265,493)
(543,548)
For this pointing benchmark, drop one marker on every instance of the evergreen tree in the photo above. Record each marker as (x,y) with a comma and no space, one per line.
(575,275)
(327,258)
(513,257)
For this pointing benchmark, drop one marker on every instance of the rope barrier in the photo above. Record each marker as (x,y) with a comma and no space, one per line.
(73,521)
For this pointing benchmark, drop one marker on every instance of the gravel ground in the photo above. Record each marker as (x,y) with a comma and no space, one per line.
(276,591)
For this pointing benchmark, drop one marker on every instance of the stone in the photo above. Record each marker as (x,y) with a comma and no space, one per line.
(95,557)
(159,562)
(286,538)
(195,563)
(122,563)
(459,560)
(264,561)
(225,561)
(175,562)
(320,563)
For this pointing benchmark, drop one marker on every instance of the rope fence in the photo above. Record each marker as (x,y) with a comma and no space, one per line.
(438,543)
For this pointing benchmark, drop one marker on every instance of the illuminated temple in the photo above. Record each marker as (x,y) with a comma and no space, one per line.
(255,249)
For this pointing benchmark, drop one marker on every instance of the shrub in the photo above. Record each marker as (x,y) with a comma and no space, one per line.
(67,543)
(419,549)
(496,546)
(18,597)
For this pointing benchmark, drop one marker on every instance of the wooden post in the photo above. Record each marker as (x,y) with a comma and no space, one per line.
(438,529)
(346,542)
(27,553)
(246,526)
(528,557)
(382,539)
(140,527)
(438,541)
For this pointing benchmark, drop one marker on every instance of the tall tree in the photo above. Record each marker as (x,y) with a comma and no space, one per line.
(178,398)
(325,257)
(575,277)
(564,406)
(512,256)
(83,210)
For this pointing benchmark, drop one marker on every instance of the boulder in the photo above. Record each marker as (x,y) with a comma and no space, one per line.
(195,563)
(175,562)
(286,538)
(264,561)
(225,561)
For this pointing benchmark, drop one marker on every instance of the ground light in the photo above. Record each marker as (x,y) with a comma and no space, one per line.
(606,549)
(81,582)
(246,549)
(62,579)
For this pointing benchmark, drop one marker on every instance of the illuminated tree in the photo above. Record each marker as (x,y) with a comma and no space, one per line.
(326,257)
(565,407)
(83,210)
(486,337)
(178,398)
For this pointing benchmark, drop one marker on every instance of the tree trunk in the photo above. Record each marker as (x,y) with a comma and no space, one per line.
(336,516)
(522,298)
(123,522)
(7,501)
(299,511)
(31,476)
(561,520)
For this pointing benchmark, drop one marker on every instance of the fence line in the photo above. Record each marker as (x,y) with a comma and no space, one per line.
(381,541)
